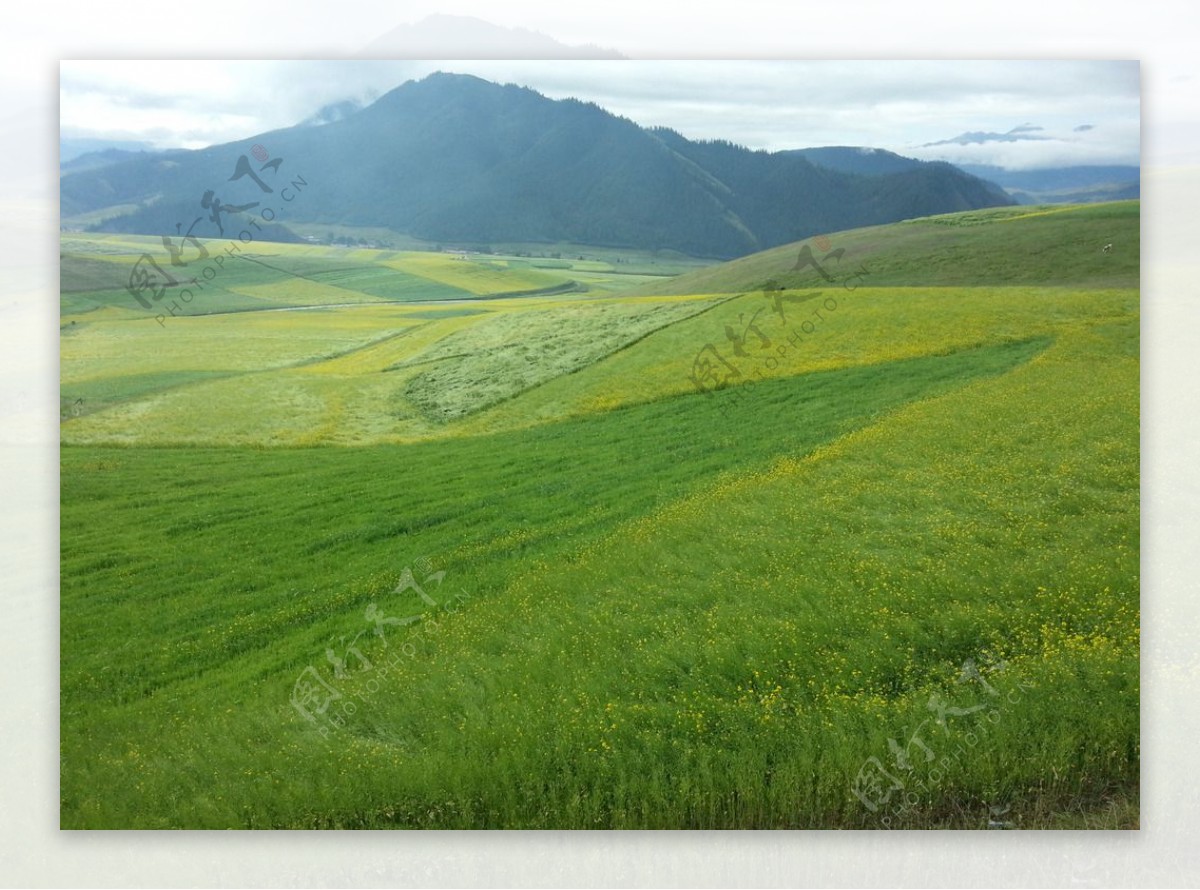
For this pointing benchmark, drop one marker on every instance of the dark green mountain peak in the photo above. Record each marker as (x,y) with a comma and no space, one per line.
(455,158)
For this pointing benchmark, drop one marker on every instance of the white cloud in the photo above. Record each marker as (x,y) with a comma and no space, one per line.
(761,104)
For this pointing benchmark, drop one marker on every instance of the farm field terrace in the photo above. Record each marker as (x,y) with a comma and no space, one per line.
(886,577)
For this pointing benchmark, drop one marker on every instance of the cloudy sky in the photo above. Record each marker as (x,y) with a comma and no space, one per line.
(1014,114)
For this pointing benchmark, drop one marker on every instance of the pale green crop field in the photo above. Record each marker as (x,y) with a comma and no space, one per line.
(263,356)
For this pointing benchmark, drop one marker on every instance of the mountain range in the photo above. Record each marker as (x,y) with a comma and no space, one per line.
(1083,184)
(458,160)
(1077,184)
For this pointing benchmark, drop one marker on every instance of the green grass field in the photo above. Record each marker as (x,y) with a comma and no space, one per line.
(885,574)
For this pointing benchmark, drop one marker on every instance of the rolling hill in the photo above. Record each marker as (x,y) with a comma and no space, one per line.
(1062,246)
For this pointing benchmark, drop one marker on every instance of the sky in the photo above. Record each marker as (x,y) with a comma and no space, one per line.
(1019,115)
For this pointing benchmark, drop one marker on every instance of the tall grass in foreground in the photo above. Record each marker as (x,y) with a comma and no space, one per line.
(697,612)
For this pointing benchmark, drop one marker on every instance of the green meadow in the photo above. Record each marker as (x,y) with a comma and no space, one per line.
(388,539)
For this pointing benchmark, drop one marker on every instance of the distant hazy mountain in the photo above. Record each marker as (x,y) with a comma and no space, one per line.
(1058,185)
(94,160)
(70,148)
(458,160)
(1064,185)
(465,37)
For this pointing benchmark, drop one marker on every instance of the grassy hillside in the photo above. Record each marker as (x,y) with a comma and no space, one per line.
(884,575)
(95,274)
(1048,245)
